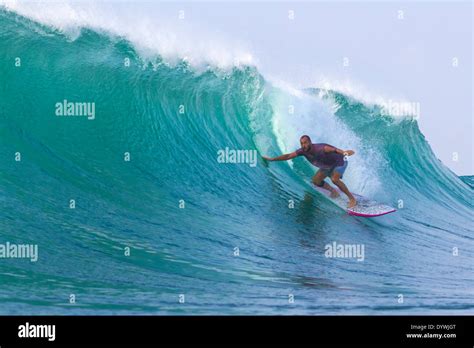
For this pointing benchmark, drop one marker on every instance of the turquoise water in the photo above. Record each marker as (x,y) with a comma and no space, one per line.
(173,160)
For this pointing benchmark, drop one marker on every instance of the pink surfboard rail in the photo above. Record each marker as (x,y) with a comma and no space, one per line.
(353,213)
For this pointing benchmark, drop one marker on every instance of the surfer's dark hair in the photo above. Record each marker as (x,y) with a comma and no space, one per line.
(305,136)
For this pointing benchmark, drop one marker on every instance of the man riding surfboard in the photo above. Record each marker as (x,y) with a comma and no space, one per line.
(330,161)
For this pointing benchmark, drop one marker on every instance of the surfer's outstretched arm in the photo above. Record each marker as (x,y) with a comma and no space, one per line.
(284,157)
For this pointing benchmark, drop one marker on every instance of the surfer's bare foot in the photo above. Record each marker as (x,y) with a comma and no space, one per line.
(334,194)
(352,203)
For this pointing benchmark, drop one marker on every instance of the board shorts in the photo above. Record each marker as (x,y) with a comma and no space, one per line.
(340,170)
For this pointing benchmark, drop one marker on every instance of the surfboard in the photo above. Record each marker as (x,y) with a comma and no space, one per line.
(365,207)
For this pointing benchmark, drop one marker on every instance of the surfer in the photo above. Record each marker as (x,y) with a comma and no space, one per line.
(329,159)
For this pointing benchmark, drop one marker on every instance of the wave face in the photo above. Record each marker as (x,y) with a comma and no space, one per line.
(183,214)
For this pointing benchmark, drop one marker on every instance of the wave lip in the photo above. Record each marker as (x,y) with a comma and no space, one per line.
(166,35)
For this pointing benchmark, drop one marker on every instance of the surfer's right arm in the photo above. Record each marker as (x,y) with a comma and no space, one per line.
(284,157)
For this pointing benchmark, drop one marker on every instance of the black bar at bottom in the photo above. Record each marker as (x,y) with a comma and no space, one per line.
(288,330)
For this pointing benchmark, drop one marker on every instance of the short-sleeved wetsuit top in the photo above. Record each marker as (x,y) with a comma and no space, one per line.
(321,159)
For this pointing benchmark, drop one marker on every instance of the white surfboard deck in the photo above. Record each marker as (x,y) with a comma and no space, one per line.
(365,207)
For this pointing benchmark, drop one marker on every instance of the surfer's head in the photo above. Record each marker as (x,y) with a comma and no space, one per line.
(305,142)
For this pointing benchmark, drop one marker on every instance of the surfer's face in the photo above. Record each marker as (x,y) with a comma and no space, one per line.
(305,144)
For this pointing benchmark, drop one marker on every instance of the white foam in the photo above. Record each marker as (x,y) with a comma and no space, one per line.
(173,39)
(398,107)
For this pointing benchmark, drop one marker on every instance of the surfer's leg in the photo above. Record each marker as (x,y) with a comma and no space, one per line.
(318,180)
(336,179)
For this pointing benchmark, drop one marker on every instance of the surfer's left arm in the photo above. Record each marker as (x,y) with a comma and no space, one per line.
(284,157)
(329,148)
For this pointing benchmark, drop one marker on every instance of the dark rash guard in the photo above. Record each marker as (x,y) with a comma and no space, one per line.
(321,159)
